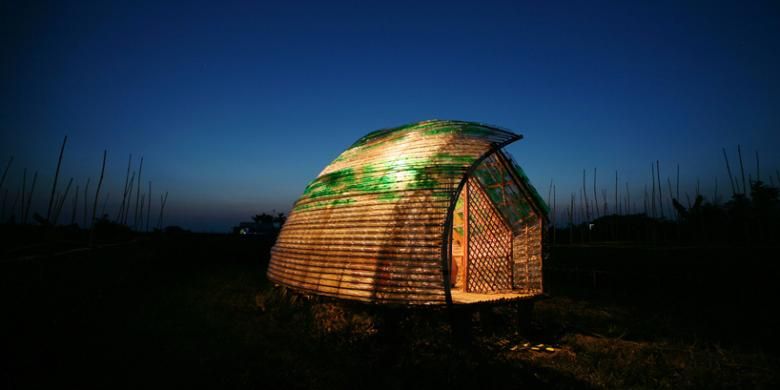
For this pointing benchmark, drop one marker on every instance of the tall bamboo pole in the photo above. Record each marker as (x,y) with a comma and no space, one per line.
(595,196)
(97,196)
(5,171)
(758,168)
(29,197)
(652,198)
(677,193)
(585,197)
(105,203)
(100,184)
(149,206)
(24,198)
(742,169)
(61,203)
(628,200)
(130,195)
(58,205)
(137,193)
(56,176)
(75,207)
(715,195)
(163,200)
(658,175)
(571,220)
(554,210)
(671,198)
(124,192)
(57,199)
(617,207)
(140,222)
(549,192)
(86,196)
(731,177)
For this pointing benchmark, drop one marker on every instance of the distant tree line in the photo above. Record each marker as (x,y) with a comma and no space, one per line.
(752,217)
(279,218)
(262,224)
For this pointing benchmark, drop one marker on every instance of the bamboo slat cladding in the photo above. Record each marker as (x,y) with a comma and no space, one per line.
(372,225)
(527,258)
(490,244)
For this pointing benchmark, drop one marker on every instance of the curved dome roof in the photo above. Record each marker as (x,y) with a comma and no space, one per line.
(373,225)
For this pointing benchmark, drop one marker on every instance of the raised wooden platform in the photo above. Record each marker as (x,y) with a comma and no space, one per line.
(460,297)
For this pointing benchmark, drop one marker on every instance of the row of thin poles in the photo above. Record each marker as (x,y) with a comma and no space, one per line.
(19,210)
(656,202)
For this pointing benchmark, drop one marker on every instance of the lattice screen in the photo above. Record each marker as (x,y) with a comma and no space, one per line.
(489,244)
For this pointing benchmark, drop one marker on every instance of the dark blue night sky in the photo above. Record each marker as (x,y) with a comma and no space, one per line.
(237,106)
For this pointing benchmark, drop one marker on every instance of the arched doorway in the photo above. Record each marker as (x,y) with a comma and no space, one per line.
(481,258)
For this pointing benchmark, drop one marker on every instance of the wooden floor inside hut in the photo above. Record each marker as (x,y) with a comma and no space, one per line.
(463,297)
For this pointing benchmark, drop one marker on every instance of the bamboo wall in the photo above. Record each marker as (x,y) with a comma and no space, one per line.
(527,254)
(371,226)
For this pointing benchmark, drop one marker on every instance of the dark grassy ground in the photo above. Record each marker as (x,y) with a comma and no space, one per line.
(196,310)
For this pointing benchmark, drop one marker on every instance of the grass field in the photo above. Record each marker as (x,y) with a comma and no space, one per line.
(196,310)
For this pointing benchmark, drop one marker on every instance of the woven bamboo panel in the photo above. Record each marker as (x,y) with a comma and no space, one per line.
(371,226)
(489,244)
(527,257)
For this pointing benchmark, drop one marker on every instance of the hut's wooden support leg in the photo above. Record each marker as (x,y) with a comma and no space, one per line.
(487,319)
(460,321)
(390,324)
(525,311)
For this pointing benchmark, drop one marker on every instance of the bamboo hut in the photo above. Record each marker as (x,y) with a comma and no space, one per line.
(429,213)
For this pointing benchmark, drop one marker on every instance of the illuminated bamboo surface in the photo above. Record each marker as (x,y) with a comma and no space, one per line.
(489,244)
(372,226)
(462,297)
